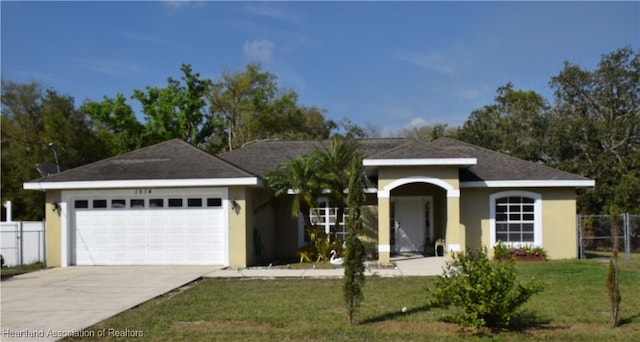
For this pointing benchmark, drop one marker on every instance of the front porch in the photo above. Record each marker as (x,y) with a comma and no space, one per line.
(415,213)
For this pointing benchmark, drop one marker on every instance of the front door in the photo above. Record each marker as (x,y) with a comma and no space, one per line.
(412,222)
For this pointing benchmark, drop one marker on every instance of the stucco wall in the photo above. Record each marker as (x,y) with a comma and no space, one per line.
(449,174)
(559,224)
(260,226)
(238,227)
(558,219)
(286,229)
(52,230)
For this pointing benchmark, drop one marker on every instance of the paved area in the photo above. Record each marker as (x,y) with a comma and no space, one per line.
(42,305)
(405,266)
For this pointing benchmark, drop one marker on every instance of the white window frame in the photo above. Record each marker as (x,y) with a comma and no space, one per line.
(329,213)
(537,217)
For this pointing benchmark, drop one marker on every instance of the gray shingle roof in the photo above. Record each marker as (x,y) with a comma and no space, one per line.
(173,159)
(417,149)
(492,165)
(176,159)
(261,157)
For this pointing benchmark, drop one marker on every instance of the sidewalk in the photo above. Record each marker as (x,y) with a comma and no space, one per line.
(404,267)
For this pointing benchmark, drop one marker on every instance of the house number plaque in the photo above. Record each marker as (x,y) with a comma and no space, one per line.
(142,191)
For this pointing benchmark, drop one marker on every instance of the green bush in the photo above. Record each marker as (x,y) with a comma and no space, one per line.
(318,247)
(486,290)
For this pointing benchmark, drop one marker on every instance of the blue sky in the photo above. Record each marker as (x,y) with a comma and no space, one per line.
(391,64)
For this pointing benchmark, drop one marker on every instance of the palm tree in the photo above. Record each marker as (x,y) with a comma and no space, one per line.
(298,176)
(336,168)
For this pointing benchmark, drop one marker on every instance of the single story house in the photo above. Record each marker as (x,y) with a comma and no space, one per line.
(174,204)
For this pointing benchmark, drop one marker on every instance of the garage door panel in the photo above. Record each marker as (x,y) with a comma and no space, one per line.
(149,235)
(137,239)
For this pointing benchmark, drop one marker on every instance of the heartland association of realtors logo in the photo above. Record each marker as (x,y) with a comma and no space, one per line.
(50,333)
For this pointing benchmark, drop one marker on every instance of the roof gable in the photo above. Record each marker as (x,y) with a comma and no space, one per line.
(173,159)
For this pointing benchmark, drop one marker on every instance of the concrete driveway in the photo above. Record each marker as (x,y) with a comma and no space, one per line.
(63,300)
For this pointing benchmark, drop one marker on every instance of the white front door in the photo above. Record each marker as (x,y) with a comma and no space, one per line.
(413,219)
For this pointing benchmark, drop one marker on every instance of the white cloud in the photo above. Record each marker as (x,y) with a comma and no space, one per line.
(416,123)
(259,50)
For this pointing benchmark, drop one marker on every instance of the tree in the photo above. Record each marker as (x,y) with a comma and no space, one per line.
(425,132)
(179,111)
(516,124)
(335,171)
(253,107)
(598,112)
(613,274)
(116,123)
(354,252)
(298,175)
(33,117)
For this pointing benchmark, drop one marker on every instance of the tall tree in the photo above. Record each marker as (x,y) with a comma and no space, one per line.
(116,123)
(238,95)
(354,252)
(335,170)
(598,113)
(298,175)
(32,118)
(253,107)
(515,124)
(426,132)
(178,110)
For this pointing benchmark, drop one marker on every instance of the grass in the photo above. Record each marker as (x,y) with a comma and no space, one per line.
(8,272)
(573,308)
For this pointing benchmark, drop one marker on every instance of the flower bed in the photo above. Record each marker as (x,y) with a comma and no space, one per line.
(526,253)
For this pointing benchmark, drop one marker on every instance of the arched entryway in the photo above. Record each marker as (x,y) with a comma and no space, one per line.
(415,212)
(418,218)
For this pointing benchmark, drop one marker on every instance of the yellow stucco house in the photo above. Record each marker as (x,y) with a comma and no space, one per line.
(174,204)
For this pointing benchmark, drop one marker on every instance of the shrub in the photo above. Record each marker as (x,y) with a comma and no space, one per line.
(318,247)
(486,290)
(501,251)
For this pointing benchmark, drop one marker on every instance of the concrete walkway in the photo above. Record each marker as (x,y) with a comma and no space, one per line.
(411,266)
(45,305)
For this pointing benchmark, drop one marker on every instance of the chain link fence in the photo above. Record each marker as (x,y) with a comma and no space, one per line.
(595,238)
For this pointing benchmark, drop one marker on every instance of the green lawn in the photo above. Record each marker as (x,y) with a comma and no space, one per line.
(573,308)
(8,272)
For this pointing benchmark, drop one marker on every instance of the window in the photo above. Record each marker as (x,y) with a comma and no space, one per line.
(81,204)
(118,203)
(516,218)
(175,202)
(326,216)
(194,202)
(99,204)
(156,203)
(214,202)
(137,203)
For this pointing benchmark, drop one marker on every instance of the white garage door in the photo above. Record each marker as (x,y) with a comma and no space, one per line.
(170,228)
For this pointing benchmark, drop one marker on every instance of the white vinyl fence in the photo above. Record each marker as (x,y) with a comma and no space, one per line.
(22,243)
